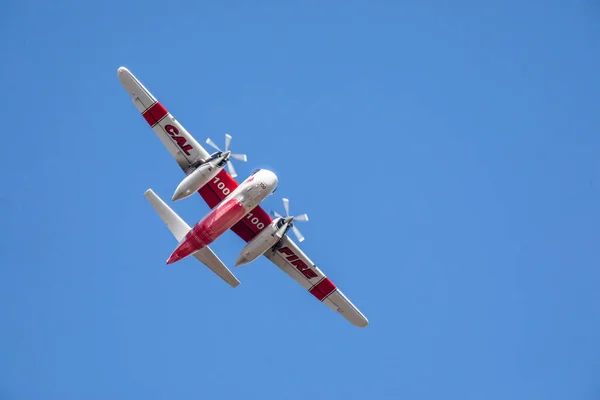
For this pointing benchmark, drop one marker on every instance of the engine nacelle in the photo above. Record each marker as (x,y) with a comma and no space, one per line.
(262,242)
(195,180)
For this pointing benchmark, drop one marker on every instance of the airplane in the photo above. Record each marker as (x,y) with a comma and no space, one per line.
(233,205)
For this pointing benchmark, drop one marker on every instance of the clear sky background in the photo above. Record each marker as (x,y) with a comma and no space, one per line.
(447,154)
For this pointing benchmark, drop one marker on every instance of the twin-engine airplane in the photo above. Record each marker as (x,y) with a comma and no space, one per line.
(233,206)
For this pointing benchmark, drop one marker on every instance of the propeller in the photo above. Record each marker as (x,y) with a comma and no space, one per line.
(241,157)
(289,220)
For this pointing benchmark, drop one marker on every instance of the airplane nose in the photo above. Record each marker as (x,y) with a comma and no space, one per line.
(273,181)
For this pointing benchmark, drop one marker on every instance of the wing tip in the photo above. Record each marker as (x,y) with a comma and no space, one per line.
(363,322)
(123,71)
(348,310)
(356,318)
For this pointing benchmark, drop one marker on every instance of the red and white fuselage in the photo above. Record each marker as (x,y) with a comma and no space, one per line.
(227,213)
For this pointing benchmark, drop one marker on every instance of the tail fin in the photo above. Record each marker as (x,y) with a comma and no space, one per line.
(179,229)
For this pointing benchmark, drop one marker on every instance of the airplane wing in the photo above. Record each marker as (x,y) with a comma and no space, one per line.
(179,228)
(291,260)
(182,146)
(186,150)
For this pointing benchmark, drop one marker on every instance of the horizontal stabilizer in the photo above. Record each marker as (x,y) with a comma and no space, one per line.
(179,228)
(176,225)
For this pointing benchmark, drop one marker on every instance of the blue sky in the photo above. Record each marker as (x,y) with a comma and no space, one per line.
(447,154)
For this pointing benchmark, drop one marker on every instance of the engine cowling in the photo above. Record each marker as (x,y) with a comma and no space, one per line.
(262,242)
(195,180)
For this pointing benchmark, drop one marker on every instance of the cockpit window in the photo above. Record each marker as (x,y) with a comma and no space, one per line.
(255,171)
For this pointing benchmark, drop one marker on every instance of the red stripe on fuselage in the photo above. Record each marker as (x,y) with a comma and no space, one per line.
(209,229)
(154,113)
(245,229)
(323,289)
(218,221)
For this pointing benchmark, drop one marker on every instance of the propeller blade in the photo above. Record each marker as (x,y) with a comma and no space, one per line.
(302,217)
(227,141)
(275,213)
(231,169)
(241,157)
(286,205)
(298,234)
(212,144)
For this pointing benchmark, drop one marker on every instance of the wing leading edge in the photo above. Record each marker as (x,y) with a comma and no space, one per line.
(287,255)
